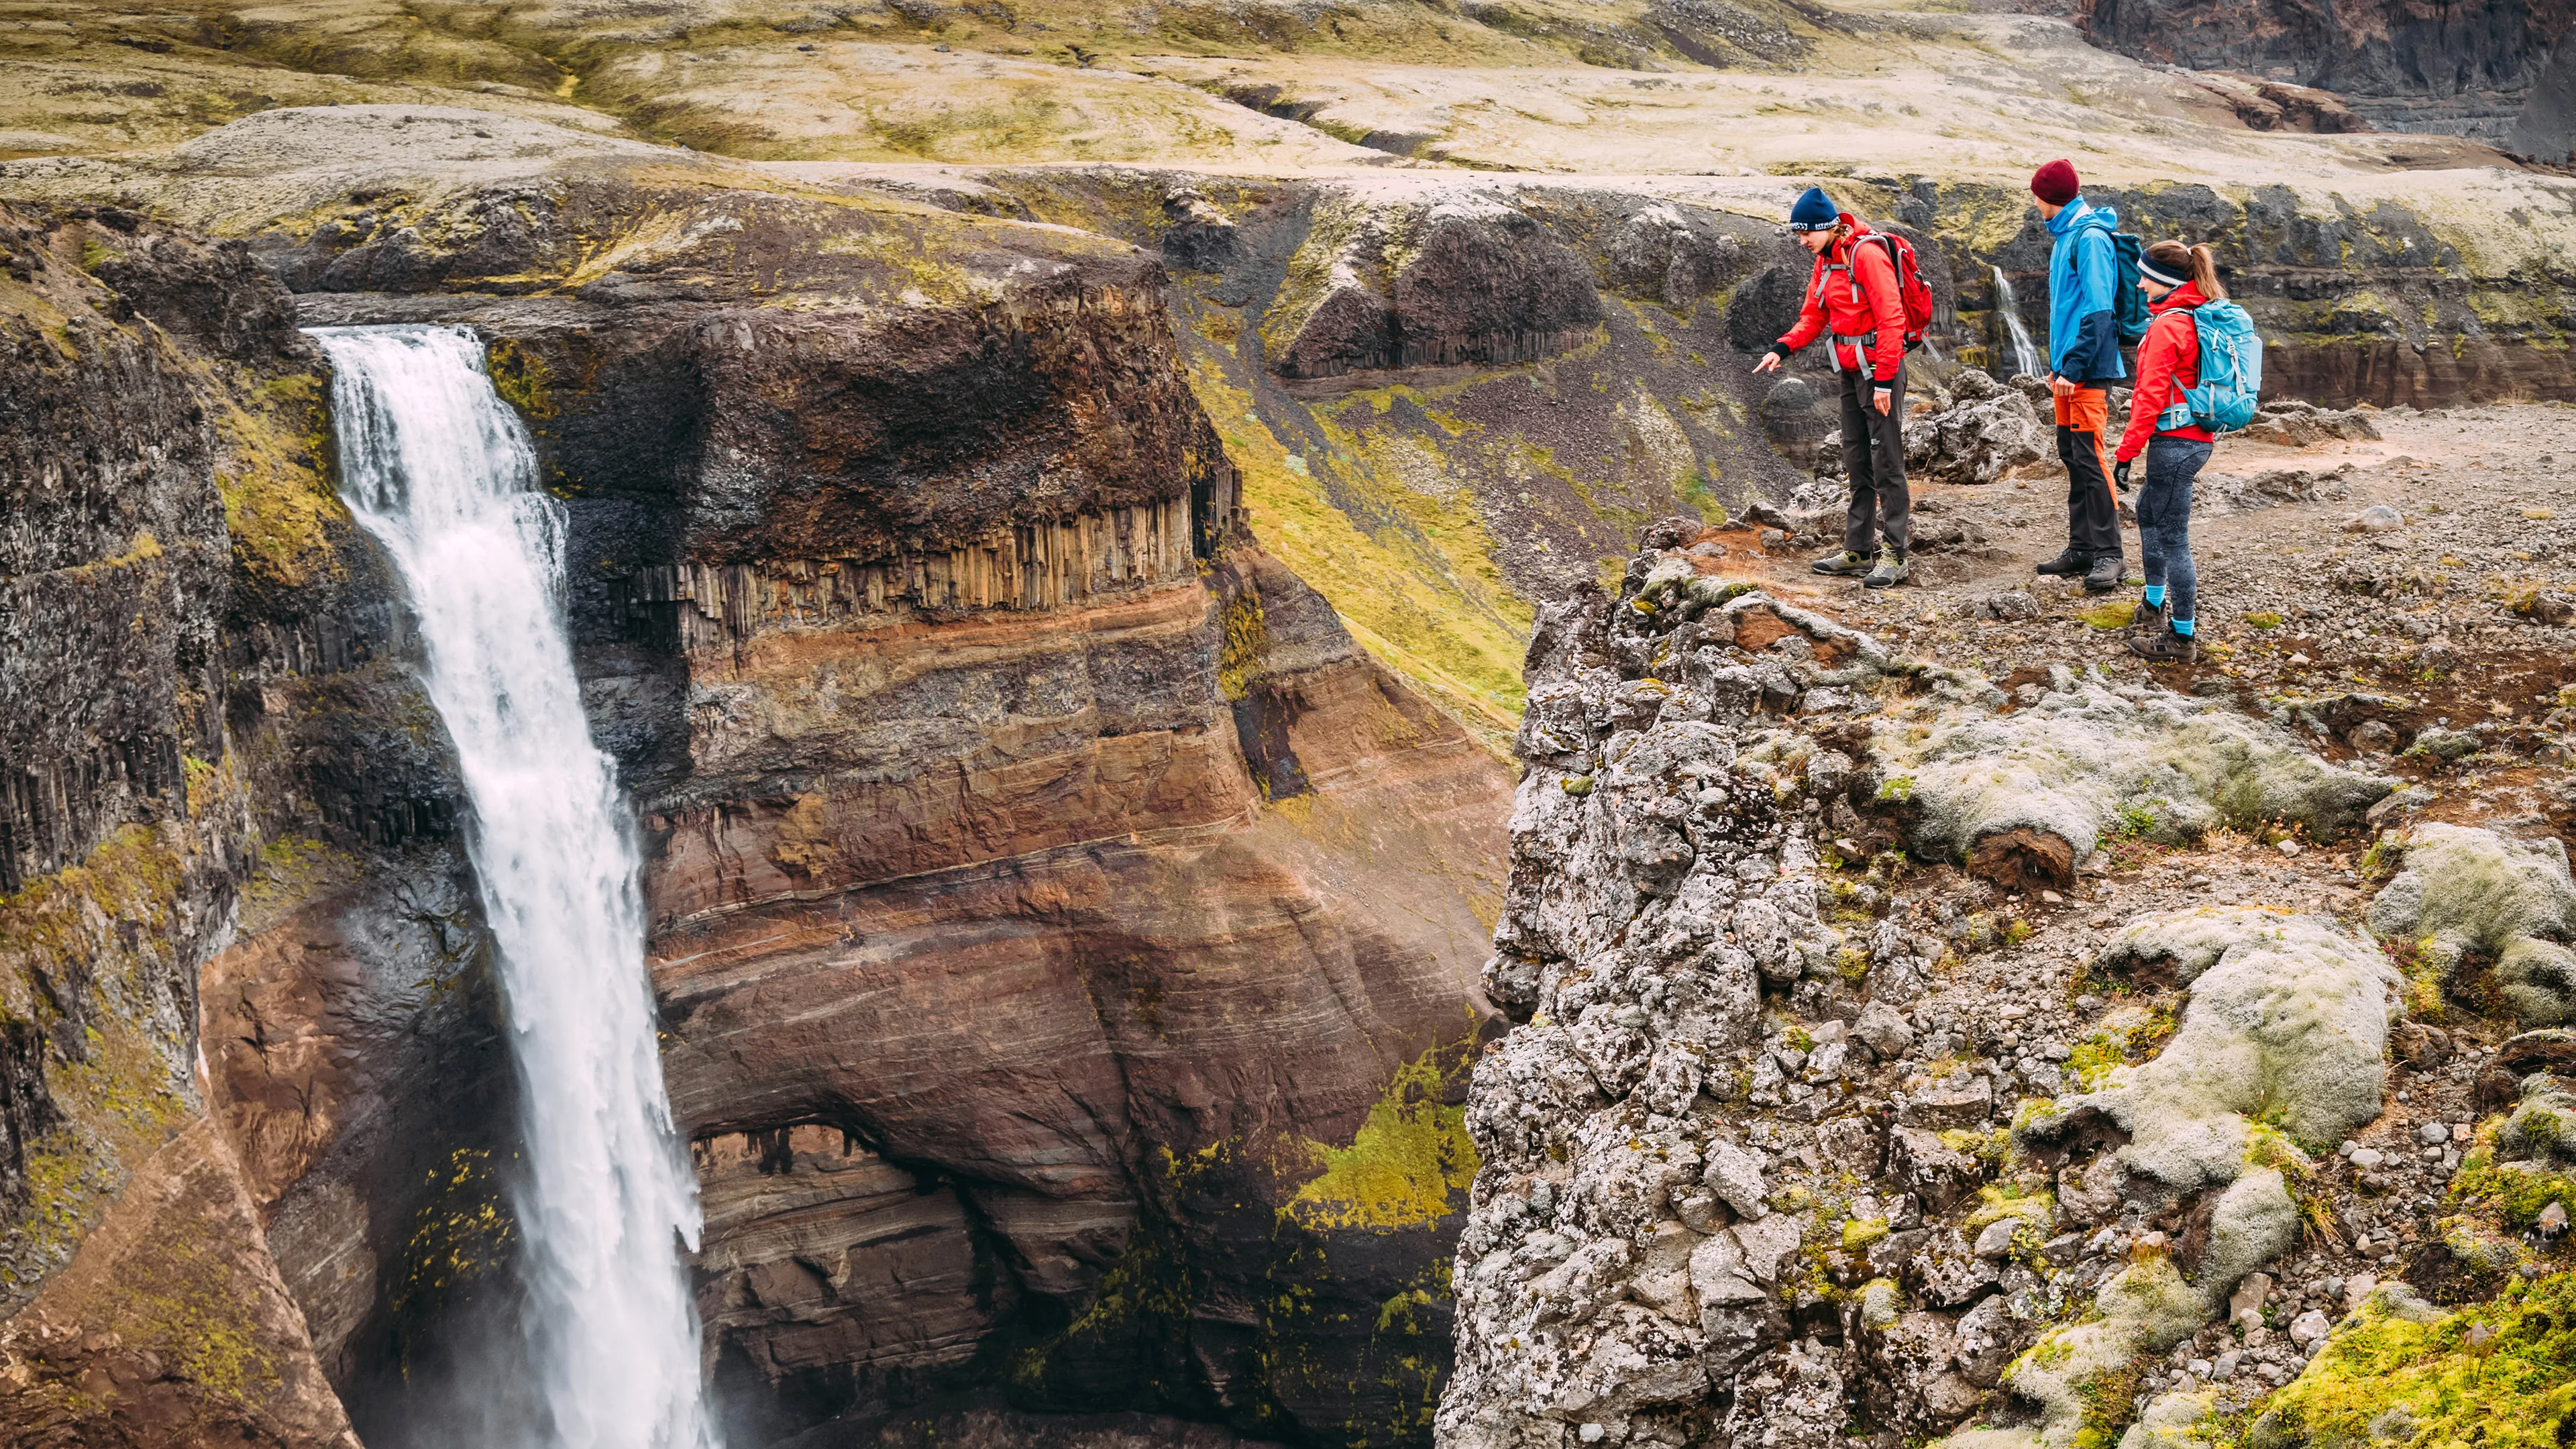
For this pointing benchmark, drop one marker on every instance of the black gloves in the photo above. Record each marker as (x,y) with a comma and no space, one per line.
(2120,475)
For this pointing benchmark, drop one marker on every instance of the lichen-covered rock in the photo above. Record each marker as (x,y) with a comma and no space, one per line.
(2287,1021)
(2465,890)
(1629,1265)
(1734,1126)
(2023,797)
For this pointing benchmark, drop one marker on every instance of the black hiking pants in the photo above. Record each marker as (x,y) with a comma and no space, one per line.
(1874,456)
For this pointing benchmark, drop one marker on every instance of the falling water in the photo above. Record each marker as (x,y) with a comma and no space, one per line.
(442,474)
(2025,356)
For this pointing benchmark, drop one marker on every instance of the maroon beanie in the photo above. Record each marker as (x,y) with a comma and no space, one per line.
(2055,182)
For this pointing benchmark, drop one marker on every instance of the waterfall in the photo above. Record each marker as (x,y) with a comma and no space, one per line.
(442,474)
(2025,356)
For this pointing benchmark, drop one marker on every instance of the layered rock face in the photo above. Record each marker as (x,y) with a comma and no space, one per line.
(1065,932)
(2403,66)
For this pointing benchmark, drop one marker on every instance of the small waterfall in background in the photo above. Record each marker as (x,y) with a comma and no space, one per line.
(442,473)
(2025,356)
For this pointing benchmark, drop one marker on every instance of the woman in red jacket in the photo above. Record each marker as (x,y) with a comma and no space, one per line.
(1854,303)
(2176,278)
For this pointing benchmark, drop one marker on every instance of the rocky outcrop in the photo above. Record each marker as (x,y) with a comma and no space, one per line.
(2474,64)
(1746,1170)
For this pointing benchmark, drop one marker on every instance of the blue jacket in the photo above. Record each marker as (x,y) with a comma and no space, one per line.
(2083,327)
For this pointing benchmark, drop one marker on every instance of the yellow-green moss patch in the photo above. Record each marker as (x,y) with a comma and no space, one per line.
(2501,1375)
(1410,1163)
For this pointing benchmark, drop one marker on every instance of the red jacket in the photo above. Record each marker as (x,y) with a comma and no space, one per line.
(2168,365)
(1853,288)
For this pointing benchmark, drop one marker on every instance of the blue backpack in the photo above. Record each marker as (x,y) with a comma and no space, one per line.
(2231,371)
(2128,304)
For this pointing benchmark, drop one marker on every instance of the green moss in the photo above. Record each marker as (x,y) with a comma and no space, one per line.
(2264,619)
(2109,1400)
(119,1089)
(461,1235)
(2501,1375)
(292,867)
(2132,1041)
(1410,1163)
(1694,490)
(2519,1194)
(278,502)
(1895,790)
(522,379)
(1242,641)
(1859,1233)
(1412,576)
(2117,614)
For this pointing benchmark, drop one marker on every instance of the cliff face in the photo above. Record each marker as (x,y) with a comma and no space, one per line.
(1045,887)
(203,730)
(1065,933)
(2402,64)
(2385,303)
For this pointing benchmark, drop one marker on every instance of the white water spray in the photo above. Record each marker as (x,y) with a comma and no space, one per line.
(2025,356)
(443,475)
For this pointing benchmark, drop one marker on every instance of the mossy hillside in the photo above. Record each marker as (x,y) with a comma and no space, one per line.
(279,504)
(866,103)
(109,75)
(1431,509)
(2499,1375)
(1395,1194)
(1366,548)
(84,961)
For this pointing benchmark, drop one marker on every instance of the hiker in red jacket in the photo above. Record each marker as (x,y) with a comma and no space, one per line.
(2176,279)
(1853,301)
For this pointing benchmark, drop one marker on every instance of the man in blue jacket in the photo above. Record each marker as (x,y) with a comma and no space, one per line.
(2083,362)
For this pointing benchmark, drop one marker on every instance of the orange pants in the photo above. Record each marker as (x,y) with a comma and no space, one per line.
(2092,507)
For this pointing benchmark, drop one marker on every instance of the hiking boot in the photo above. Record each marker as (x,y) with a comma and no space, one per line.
(1843,563)
(2149,622)
(2073,561)
(1891,569)
(2165,647)
(2104,575)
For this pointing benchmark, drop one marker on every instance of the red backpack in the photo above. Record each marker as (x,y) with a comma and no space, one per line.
(1912,292)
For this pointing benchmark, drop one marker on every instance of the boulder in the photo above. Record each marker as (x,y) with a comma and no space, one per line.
(2021,798)
(2466,891)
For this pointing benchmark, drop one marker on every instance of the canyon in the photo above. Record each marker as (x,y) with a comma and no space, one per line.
(1120,562)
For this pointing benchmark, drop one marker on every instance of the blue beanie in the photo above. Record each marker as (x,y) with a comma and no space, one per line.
(1815,211)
